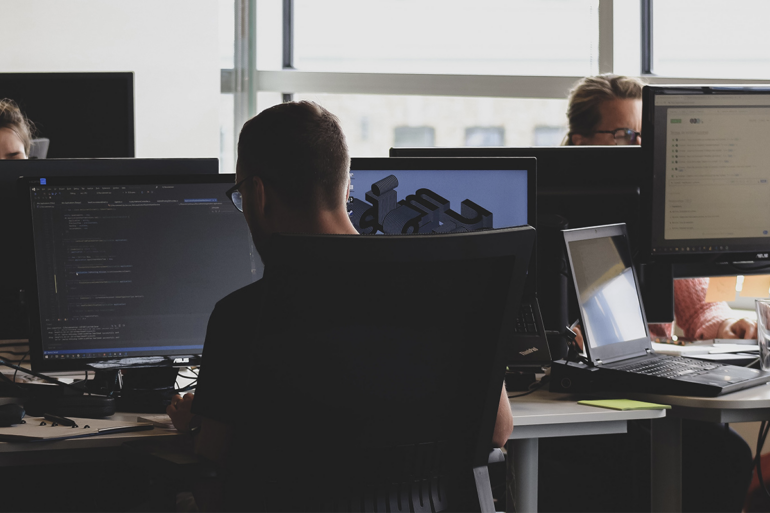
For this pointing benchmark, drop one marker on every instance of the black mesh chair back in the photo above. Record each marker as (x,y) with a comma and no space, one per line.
(379,371)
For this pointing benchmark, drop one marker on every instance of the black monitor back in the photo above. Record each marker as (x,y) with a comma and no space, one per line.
(580,186)
(13,320)
(84,115)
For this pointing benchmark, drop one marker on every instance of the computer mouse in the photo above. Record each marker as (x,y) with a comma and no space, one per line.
(11,414)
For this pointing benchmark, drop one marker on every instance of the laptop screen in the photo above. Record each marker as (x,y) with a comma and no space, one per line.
(610,306)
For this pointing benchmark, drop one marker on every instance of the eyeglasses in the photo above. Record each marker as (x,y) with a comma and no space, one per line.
(235,194)
(622,136)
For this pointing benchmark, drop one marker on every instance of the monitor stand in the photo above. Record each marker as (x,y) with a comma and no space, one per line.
(139,390)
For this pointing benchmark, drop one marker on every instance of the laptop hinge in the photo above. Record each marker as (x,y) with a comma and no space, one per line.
(598,362)
(649,351)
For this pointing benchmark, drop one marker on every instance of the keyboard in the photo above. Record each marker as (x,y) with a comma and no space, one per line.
(525,321)
(669,367)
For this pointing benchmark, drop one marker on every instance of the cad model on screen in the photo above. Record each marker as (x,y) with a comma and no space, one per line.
(425,211)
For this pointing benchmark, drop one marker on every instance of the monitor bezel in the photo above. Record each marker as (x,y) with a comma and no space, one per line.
(38,362)
(127,77)
(750,250)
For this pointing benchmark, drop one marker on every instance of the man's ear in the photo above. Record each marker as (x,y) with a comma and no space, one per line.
(260,195)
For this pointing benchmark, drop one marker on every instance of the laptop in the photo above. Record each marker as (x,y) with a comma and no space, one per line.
(616,340)
(440,195)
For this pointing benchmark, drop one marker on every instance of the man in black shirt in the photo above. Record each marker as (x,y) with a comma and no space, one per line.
(292,176)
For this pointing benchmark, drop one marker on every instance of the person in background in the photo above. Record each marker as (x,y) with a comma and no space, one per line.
(15,131)
(607,110)
(716,461)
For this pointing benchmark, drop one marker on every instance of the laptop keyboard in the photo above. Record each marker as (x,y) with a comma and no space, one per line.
(669,367)
(525,321)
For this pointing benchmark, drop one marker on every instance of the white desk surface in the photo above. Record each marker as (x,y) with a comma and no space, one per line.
(544,414)
(748,405)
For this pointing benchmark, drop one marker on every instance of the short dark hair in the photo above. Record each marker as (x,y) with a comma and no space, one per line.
(299,150)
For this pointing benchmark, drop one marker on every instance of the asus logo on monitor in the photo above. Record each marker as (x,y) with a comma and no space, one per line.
(181,360)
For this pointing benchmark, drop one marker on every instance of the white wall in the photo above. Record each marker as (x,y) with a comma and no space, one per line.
(170,45)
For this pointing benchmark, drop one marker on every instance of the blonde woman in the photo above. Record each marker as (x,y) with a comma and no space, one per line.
(607,110)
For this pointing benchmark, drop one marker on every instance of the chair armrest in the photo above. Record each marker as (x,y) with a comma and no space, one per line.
(496,456)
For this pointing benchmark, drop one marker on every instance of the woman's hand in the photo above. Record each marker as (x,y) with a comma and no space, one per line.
(737,328)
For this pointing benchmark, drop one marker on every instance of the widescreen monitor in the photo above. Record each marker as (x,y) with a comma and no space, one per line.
(127,270)
(13,312)
(397,196)
(84,115)
(707,147)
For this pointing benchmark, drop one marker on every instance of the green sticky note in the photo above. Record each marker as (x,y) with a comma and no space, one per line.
(625,404)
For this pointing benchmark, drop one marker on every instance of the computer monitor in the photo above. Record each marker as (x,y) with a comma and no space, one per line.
(441,195)
(580,186)
(709,156)
(126,270)
(13,312)
(84,115)
(451,195)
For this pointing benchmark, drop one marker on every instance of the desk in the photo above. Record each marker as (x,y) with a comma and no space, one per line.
(76,450)
(747,405)
(543,414)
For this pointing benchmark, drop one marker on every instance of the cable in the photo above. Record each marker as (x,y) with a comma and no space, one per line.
(17,369)
(187,387)
(5,362)
(534,387)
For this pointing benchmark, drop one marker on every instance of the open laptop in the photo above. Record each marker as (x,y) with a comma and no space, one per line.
(616,339)
(440,195)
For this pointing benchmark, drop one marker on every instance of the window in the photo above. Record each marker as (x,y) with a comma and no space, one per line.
(711,39)
(455,73)
(374,123)
(489,37)
(413,136)
(485,136)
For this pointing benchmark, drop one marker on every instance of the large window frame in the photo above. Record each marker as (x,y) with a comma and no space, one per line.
(246,80)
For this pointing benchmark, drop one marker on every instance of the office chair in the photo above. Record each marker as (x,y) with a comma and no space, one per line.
(378,375)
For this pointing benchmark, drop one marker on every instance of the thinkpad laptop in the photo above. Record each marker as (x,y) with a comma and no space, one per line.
(441,195)
(616,339)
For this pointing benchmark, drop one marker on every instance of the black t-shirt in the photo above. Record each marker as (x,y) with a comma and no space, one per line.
(231,337)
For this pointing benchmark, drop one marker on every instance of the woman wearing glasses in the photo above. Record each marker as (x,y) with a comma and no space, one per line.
(607,110)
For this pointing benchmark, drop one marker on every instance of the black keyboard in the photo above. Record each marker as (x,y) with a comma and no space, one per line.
(525,321)
(669,367)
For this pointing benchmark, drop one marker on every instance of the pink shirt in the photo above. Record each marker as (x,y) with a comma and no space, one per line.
(697,319)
